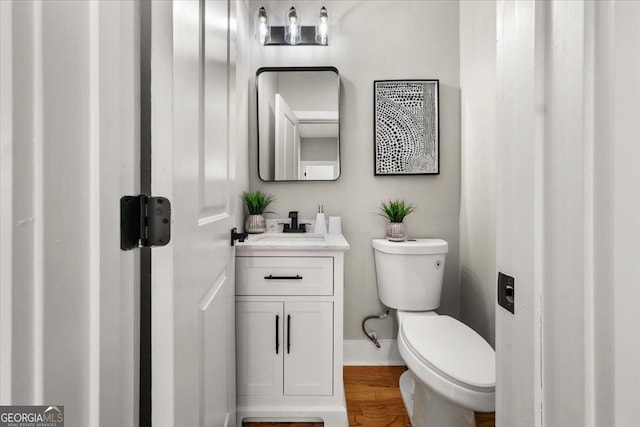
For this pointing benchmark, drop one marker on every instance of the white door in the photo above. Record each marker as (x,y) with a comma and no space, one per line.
(287,142)
(567,209)
(260,347)
(319,172)
(308,358)
(193,336)
(68,136)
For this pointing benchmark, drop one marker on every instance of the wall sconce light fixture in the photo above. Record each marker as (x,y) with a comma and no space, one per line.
(292,33)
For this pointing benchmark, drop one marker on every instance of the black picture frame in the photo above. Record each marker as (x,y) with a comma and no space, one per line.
(406,127)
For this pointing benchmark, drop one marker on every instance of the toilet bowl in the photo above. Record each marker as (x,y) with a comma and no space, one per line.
(449,360)
(451,368)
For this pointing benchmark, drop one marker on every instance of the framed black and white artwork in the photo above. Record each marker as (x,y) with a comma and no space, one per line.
(406,127)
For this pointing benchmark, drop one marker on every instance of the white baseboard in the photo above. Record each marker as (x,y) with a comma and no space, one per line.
(364,353)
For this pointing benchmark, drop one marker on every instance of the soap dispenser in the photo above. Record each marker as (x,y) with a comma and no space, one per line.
(321,225)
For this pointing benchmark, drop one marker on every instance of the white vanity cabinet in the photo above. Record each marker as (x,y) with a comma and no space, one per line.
(289,321)
(284,347)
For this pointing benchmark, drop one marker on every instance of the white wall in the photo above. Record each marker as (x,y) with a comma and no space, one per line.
(478,162)
(622,89)
(377,40)
(603,314)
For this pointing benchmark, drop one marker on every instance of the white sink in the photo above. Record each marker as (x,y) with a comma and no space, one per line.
(286,237)
(274,242)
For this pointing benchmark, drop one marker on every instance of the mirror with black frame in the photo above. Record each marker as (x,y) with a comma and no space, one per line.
(298,123)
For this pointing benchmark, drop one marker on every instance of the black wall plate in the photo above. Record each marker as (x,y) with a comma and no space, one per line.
(506,292)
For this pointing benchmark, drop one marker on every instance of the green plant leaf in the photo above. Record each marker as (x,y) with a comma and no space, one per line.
(257,201)
(396,210)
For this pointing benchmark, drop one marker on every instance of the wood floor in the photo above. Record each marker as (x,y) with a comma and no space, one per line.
(373,400)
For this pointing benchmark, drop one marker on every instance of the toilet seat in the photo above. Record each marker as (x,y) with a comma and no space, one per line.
(452,349)
(449,358)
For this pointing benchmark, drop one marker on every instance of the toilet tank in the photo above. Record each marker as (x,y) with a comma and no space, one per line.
(410,273)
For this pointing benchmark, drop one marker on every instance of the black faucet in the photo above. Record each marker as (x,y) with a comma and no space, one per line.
(293,215)
(294,227)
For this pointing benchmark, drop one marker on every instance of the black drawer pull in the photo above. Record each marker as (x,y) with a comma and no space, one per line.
(272,277)
(288,333)
(277,338)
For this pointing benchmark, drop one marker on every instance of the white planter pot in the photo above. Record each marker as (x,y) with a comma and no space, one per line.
(255,224)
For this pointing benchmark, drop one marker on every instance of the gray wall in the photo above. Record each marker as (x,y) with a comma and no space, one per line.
(478,274)
(318,149)
(376,40)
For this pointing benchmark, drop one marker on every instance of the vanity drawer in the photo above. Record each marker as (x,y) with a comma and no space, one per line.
(284,276)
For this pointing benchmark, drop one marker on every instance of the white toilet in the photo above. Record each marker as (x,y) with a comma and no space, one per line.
(451,368)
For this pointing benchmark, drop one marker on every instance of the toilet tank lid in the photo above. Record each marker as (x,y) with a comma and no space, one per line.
(412,246)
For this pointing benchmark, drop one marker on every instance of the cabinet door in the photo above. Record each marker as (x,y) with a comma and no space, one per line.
(308,368)
(259,347)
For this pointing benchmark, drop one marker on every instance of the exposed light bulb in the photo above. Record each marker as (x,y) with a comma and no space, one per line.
(322,27)
(292,29)
(263,31)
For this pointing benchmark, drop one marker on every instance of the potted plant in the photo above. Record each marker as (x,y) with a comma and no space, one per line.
(395,211)
(257,203)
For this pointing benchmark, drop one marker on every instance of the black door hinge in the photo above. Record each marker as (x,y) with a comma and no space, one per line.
(144,221)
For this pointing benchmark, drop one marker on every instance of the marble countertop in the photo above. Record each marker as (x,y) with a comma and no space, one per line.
(292,242)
